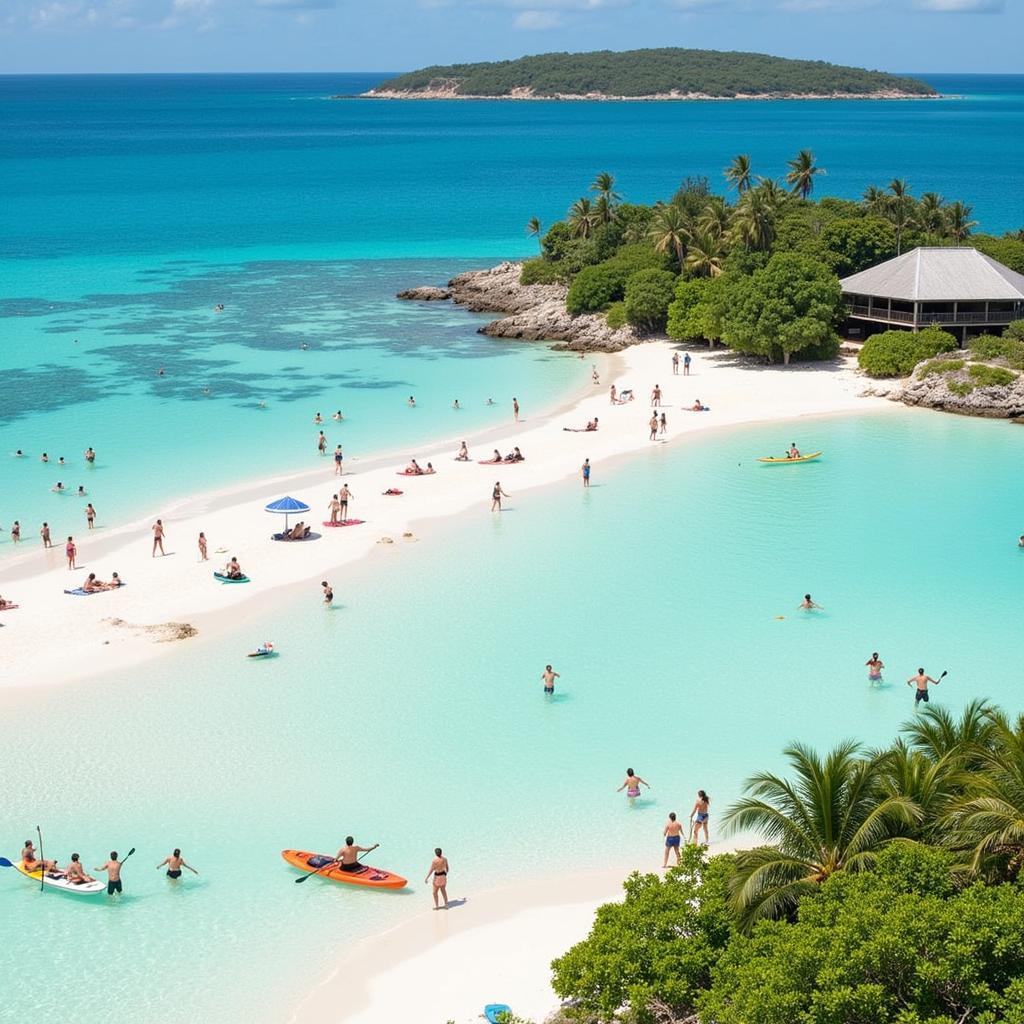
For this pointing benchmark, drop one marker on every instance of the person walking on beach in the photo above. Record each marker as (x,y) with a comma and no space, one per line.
(632,785)
(699,816)
(612,395)
(586,472)
(515,409)
(90,516)
(175,862)
(662,425)
(71,551)
(439,872)
(654,426)
(686,365)
(113,870)
(874,666)
(656,396)
(202,547)
(496,495)
(328,593)
(338,461)
(158,538)
(343,495)
(673,833)
(548,676)
(921,681)
(334,506)
(44,532)
(675,373)
(321,443)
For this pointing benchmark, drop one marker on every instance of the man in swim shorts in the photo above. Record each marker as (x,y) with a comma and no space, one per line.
(549,675)
(921,681)
(348,855)
(673,833)
(113,870)
(343,495)
(175,862)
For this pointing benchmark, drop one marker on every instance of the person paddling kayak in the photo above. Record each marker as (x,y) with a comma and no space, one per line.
(348,855)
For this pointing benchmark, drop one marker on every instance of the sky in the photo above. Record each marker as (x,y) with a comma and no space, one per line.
(53,36)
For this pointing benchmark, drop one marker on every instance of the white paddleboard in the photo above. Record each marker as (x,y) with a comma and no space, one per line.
(85,889)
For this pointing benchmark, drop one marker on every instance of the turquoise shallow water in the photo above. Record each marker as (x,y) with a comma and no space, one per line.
(412,714)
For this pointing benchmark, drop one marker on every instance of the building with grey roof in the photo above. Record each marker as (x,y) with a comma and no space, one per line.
(961,290)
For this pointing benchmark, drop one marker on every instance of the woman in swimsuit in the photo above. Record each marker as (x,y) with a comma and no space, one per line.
(174,865)
(874,667)
(699,816)
(673,833)
(439,872)
(496,495)
(463,455)
(632,784)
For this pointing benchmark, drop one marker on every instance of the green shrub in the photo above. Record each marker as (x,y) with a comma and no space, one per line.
(541,271)
(896,353)
(857,243)
(990,346)
(686,320)
(991,376)
(593,288)
(1008,251)
(616,315)
(1015,330)
(648,294)
(934,366)
(960,387)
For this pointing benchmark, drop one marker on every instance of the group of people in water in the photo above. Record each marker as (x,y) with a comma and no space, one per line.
(673,830)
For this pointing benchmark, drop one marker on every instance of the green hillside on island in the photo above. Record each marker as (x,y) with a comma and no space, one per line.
(650,73)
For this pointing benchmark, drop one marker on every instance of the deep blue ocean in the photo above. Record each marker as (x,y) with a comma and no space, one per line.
(133,205)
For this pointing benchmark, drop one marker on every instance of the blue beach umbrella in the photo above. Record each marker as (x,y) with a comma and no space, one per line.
(284,506)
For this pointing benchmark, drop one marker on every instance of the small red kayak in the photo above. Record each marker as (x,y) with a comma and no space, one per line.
(346,522)
(392,492)
(489,462)
(372,878)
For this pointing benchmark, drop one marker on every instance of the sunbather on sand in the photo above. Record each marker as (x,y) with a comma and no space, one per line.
(463,455)
(233,570)
(589,428)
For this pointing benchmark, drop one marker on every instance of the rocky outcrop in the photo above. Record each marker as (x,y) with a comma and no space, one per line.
(427,293)
(957,382)
(534,312)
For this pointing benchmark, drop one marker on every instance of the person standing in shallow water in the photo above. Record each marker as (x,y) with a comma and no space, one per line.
(632,784)
(90,516)
(586,472)
(654,426)
(439,872)
(44,532)
(673,833)
(496,495)
(874,665)
(699,816)
(175,862)
(921,681)
(515,409)
(548,677)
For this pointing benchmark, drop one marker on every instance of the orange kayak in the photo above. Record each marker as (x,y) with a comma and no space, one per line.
(372,878)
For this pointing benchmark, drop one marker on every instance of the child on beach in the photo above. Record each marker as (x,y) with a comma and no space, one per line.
(71,551)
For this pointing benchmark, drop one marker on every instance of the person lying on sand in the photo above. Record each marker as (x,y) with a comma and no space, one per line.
(4,604)
(589,428)
(697,406)
(233,570)
(429,469)
(115,582)
(299,531)
(93,585)
(496,457)
(413,469)
(463,455)
(625,395)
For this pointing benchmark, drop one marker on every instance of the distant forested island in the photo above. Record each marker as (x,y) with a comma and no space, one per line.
(661,74)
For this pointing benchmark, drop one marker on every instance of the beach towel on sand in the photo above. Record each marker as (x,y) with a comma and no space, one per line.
(79,592)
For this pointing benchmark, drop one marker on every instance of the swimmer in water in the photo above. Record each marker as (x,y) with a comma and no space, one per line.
(337,416)
(632,784)
(90,455)
(57,487)
(455,404)
(549,675)
(44,457)
(673,833)
(808,605)
(174,864)
(874,666)
(411,403)
(318,418)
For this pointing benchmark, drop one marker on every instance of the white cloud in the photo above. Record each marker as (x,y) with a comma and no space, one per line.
(962,6)
(536,20)
(293,5)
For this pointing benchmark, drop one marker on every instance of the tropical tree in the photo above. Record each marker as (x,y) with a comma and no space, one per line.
(899,188)
(715,218)
(604,211)
(670,231)
(931,215)
(875,200)
(802,172)
(534,230)
(937,733)
(958,221)
(705,253)
(581,218)
(833,816)
(738,173)
(604,186)
(989,819)
(754,221)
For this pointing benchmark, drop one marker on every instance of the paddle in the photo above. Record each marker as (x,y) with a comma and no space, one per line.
(327,865)
(42,873)
(5,863)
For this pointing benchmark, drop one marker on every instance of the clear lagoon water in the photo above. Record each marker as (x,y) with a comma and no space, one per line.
(134,204)
(412,714)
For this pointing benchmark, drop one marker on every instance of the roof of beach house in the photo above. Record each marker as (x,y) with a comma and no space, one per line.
(939,275)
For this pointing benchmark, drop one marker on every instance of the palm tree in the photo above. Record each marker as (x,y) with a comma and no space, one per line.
(834,816)
(899,188)
(533,229)
(900,212)
(581,218)
(604,212)
(604,186)
(939,735)
(753,224)
(715,218)
(931,783)
(704,254)
(958,221)
(738,173)
(802,172)
(989,819)
(670,232)
(875,200)
(931,215)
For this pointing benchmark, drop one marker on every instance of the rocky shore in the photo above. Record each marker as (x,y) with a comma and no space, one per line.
(450,92)
(533,312)
(957,382)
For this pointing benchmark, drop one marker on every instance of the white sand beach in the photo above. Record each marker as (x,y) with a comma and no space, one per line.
(53,638)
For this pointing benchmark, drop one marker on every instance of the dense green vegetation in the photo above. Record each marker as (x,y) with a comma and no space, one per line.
(653,73)
(758,268)
(889,891)
(896,353)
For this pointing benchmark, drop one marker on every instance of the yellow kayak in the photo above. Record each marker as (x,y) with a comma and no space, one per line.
(785,461)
